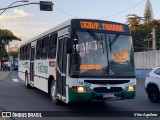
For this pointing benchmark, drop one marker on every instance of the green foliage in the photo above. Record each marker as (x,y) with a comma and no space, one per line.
(141,38)
(142,33)
(158,38)
(3,53)
(133,20)
(6,36)
(14,54)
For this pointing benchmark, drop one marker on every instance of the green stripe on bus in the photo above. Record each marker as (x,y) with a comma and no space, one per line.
(90,96)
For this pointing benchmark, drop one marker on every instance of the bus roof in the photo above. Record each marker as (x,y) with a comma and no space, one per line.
(62,25)
(67,23)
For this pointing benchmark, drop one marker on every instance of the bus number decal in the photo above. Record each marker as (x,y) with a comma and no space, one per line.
(42,68)
(85,84)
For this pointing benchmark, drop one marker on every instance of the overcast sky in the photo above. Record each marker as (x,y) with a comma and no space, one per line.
(28,21)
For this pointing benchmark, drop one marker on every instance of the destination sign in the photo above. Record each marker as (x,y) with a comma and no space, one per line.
(101,26)
(91,24)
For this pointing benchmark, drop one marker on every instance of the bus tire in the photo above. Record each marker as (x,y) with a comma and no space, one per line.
(53,93)
(26,82)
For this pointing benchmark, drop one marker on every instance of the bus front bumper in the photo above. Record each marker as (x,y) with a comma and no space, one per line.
(94,96)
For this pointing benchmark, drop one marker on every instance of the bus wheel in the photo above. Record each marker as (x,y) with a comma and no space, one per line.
(26,82)
(54,93)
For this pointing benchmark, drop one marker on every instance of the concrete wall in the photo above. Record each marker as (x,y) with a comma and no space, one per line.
(145,61)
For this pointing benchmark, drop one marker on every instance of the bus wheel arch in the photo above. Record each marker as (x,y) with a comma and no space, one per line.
(27,80)
(52,90)
(50,79)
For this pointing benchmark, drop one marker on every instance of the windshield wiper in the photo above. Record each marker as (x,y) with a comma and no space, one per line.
(113,41)
(94,36)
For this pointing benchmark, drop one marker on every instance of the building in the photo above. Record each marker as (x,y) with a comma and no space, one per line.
(14,48)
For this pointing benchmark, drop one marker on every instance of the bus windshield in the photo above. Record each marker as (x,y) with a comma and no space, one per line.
(101,54)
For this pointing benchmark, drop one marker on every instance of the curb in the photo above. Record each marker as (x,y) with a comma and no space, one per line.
(5,76)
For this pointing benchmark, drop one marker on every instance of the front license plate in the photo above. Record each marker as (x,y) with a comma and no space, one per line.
(108,95)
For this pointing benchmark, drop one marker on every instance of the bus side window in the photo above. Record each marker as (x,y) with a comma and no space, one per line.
(38,49)
(52,46)
(20,53)
(27,51)
(45,44)
(23,53)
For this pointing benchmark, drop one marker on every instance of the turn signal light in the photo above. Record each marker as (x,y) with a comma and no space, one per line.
(74,88)
(52,63)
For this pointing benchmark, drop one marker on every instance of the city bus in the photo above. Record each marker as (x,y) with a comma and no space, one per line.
(81,60)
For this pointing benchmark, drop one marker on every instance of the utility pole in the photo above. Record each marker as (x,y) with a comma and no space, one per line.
(154,38)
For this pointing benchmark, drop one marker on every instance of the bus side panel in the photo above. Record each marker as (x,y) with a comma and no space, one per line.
(41,83)
(24,67)
(21,75)
(41,74)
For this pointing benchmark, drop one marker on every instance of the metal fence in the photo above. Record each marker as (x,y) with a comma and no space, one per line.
(147,59)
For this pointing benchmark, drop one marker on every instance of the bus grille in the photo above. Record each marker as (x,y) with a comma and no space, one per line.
(105,90)
(105,82)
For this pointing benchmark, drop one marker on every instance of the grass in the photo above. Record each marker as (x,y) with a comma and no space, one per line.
(2,77)
(2,118)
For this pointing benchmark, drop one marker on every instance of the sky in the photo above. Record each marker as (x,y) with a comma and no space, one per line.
(28,21)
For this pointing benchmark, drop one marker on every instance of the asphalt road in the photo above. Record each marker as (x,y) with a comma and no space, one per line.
(15,97)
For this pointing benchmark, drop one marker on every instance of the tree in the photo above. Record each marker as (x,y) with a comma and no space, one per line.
(142,35)
(14,54)
(148,13)
(6,36)
(133,20)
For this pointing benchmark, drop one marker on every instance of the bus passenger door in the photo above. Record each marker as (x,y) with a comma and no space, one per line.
(32,64)
(61,67)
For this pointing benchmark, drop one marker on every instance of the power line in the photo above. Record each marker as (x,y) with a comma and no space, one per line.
(123,10)
(101,17)
(65,12)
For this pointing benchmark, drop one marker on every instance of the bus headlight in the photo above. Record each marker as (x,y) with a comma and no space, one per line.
(80,89)
(131,88)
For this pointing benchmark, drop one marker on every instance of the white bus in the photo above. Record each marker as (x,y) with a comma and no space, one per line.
(81,60)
